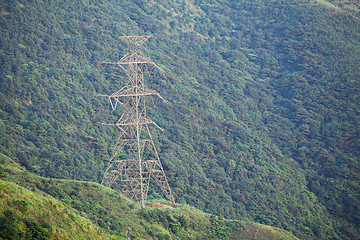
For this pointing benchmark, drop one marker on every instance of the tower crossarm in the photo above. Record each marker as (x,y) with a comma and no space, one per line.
(135,58)
(144,122)
(133,92)
(123,62)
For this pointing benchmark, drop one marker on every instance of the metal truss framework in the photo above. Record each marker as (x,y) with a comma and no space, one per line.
(135,160)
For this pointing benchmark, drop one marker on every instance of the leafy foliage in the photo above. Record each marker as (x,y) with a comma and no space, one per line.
(83,203)
(46,218)
(8,227)
(36,231)
(264,118)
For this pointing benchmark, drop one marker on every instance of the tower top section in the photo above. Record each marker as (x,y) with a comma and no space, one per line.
(134,54)
(135,40)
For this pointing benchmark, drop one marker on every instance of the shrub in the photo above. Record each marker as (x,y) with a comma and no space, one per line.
(8,226)
(34,230)
(21,205)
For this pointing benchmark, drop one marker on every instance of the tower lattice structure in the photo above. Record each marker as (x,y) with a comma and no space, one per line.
(135,160)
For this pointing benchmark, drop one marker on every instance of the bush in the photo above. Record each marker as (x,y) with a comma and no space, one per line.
(21,205)
(8,226)
(163,236)
(34,230)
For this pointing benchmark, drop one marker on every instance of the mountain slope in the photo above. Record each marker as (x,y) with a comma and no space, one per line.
(31,214)
(34,216)
(264,118)
(79,205)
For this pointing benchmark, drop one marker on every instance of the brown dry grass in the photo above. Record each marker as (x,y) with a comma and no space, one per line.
(159,205)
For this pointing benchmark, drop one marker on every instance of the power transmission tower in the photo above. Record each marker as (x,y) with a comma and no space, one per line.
(135,160)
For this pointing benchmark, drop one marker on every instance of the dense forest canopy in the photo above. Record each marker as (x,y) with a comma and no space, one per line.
(264,116)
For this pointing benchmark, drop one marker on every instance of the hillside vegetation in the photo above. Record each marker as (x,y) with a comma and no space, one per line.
(27,215)
(35,207)
(263,123)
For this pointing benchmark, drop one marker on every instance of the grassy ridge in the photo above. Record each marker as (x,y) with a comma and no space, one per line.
(69,209)
(33,215)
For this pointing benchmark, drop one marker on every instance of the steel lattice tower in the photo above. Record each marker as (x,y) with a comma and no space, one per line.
(135,140)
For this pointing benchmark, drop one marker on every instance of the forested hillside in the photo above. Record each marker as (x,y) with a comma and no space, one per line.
(34,207)
(263,123)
